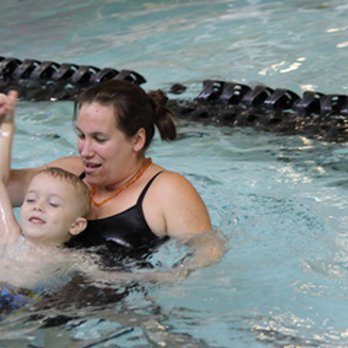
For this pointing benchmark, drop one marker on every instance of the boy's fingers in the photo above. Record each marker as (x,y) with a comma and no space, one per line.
(12,96)
(7,106)
(3,105)
(3,98)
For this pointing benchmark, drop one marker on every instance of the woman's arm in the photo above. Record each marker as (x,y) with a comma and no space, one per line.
(20,178)
(185,218)
(207,248)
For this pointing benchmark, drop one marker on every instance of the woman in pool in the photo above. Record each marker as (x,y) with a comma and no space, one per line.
(135,202)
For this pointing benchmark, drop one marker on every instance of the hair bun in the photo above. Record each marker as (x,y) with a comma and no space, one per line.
(158,97)
(158,101)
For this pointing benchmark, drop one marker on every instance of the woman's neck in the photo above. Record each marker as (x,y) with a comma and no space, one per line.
(129,173)
(110,192)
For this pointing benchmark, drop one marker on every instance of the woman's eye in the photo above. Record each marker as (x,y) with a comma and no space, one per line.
(101,140)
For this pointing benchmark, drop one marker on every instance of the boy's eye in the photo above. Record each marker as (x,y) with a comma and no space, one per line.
(30,198)
(54,204)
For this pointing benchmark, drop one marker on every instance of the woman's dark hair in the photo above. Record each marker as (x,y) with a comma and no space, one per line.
(134,108)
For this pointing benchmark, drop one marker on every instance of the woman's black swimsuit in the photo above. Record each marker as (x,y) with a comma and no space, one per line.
(127,231)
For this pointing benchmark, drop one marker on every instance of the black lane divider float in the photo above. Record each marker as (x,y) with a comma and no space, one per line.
(47,80)
(313,114)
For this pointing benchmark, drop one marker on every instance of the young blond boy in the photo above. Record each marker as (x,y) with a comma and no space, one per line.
(55,208)
(56,203)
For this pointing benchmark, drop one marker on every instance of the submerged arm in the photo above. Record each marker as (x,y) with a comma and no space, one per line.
(207,248)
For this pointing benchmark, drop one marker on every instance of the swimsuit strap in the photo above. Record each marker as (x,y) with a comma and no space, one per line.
(143,192)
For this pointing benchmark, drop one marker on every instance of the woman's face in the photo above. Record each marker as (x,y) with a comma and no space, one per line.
(105,151)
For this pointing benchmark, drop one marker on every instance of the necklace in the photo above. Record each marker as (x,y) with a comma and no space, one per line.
(120,189)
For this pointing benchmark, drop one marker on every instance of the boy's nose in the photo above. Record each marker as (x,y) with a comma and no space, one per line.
(38,206)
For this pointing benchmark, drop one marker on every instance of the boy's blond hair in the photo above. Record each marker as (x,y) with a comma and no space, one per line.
(83,197)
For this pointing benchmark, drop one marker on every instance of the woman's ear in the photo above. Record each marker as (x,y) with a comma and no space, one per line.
(139,140)
(78,226)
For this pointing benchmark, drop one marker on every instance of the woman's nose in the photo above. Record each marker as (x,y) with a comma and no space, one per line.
(85,147)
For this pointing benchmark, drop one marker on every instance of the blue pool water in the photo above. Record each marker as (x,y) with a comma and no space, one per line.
(280,201)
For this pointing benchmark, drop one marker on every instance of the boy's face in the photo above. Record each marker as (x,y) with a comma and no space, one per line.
(49,210)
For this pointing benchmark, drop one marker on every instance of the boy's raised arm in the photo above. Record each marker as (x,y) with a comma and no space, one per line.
(9,228)
(7,128)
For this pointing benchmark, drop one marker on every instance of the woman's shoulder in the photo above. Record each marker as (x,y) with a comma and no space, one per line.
(180,205)
(173,183)
(165,176)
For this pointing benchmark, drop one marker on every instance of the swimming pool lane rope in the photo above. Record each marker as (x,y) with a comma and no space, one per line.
(313,114)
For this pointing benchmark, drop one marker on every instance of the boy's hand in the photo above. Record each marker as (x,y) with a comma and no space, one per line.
(7,106)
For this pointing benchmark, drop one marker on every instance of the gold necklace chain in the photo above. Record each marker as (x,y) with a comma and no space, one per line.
(120,189)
